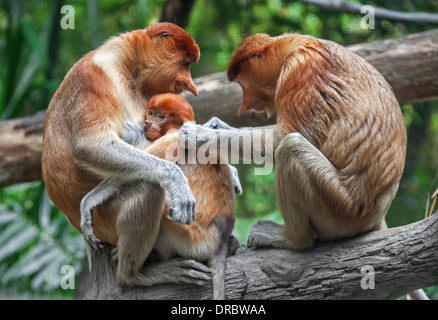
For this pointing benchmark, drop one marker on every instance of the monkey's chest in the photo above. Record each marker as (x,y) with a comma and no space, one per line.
(133,133)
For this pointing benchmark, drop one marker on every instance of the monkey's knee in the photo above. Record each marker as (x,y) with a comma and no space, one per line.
(290,143)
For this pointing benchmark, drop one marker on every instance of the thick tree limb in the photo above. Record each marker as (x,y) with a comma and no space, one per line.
(410,64)
(403,259)
(20,149)
(177,11)
(355,8)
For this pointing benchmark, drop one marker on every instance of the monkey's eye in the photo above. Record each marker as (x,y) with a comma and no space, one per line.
(165,34)
(161,116)
(150,113)
(252,55)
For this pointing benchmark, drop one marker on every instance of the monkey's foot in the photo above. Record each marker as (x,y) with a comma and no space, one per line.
(177,271)
(267,234)
(234,246)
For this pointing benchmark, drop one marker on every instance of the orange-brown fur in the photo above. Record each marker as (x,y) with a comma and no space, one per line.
(211,184)
(206,239)
(93,134)
(86,103)
(342,106)
(165,112)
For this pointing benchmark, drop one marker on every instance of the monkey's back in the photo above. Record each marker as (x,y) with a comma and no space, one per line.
(66,182)
(213,190)
(75,113)
(344,106)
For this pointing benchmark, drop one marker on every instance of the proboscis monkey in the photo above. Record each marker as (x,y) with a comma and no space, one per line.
(339,141)
(206,239)
(94,131)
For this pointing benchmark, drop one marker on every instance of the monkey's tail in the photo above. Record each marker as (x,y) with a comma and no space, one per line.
(217,263)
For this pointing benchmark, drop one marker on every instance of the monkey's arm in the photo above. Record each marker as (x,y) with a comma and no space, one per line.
(100,194)
(260,142)
(216,123)
(126,163)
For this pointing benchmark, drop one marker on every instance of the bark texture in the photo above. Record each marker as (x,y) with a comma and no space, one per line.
(402,259)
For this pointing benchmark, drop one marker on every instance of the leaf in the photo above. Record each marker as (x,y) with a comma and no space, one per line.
(16,237)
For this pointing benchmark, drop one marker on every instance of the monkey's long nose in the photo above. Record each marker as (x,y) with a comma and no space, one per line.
(190,86)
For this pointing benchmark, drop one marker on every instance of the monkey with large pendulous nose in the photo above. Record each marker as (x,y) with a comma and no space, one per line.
(339,140)
(94,131)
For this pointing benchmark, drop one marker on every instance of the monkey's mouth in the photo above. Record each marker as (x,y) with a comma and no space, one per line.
(152,136)
(178,88)
(259,108)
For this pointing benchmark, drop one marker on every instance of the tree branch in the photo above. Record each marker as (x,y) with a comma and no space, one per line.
(402,259)
(177,11)
(20,149)
(410,64)
(355,8)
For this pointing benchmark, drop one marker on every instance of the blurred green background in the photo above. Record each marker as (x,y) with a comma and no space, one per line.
(36,53)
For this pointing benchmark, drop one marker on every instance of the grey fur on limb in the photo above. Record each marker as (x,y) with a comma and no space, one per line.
(403,259)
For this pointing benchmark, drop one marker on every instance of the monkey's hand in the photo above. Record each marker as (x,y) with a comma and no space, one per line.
(236,181)
(183,201)
(216,123)
(87,230)
(191,135)
(91,240)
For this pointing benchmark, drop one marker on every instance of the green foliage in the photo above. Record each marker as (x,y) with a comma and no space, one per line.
(36,242)
(36,53)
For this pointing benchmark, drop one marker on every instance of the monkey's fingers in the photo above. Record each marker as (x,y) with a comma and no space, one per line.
(191,135)
(183,201)
(236,181)
(266,234)
(93,242)
(193,272)
(185,216)
(183,211)
(216,123)
(177,271)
